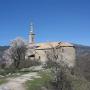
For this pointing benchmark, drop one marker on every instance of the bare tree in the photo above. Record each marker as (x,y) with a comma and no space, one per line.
(16,53)
(58,67)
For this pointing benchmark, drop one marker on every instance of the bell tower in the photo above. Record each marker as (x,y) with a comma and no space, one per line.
(30,54)
(31,34)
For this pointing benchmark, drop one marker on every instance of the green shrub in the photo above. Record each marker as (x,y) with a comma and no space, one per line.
(7,71)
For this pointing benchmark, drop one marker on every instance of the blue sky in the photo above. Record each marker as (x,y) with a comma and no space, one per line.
(54,20)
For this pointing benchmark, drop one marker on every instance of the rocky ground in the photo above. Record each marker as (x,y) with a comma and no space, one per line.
(17,83)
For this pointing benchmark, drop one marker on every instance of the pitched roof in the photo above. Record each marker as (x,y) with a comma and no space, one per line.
(47,45)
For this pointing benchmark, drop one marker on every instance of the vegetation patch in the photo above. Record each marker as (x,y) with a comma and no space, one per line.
(2,80)
(46,82)
(39,83)
(78,83)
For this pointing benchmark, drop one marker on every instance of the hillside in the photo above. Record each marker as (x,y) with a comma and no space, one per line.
(2,49)
(83,59)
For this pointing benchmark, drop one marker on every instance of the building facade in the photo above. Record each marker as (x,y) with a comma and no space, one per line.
(65,50)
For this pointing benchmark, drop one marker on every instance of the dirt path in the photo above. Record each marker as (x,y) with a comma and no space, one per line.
(17,83)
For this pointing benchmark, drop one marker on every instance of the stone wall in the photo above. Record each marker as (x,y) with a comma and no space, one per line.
(67,54)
